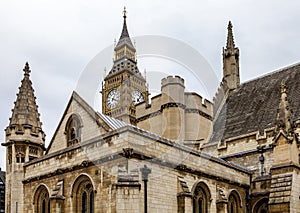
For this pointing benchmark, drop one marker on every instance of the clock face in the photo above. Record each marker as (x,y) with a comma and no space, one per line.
(137,97)
(113,98)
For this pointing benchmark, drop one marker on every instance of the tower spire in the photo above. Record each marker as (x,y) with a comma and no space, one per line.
(231,73)
(25,139)
(124,49)
(230,41)
(25,112)
(124,33)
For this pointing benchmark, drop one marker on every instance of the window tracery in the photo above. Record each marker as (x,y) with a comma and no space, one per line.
(83,195)
(261,206)
(73,130)
(41,200)
(201,198)
(234,201)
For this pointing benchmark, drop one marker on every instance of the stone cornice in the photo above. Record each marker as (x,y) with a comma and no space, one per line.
(139,156)
(27,142)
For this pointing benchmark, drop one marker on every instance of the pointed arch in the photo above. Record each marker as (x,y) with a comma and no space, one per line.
(41,199)
(261,206)
(83,194)
(73,129)
(201,197)
(234,202)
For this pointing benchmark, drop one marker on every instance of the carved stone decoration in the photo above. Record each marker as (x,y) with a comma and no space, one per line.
(128,152)
(58,191)
(221,196)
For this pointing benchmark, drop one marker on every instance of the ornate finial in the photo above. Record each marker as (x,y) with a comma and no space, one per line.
(283,86)
(26,69)
(230,42)
(124,13)
(284,112)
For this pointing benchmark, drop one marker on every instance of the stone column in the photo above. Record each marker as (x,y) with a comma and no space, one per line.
(184,202)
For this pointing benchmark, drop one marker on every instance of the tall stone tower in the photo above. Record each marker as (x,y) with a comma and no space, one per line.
(25,141)
(231,73)
(124,86)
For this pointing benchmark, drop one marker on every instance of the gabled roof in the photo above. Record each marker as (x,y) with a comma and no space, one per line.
(253,105)
(87,108)
(114,125)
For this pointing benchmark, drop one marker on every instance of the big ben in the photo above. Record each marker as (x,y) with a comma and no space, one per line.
(124,86)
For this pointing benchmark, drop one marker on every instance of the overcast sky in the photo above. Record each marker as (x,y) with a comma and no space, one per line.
(60,37)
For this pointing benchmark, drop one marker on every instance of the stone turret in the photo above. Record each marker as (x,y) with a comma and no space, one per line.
(176,114)
(25,141)
(231,73)
(285,141)
(284,193)
(173,107)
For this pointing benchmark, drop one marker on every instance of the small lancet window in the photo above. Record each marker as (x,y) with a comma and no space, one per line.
(20,158)
(73,130)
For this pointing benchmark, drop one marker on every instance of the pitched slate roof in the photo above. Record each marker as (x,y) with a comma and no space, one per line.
(253,105)
(112,122)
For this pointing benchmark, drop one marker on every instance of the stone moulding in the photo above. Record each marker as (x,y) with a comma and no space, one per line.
(139,156)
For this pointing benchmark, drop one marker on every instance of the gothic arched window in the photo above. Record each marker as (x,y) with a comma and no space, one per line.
(201,198)
(234,202)
(261,206)
(83,195)
(41,200)
(73,130)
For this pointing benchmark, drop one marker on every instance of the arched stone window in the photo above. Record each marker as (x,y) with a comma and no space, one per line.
(41,200)
(201,198)
(20,157)
(73,130)
(234,203)
(261,206)
(83,195)
(20,154)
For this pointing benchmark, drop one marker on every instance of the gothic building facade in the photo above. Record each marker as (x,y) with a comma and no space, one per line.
(174,152)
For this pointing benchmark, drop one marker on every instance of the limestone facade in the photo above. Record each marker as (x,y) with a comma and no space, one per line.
(175,152)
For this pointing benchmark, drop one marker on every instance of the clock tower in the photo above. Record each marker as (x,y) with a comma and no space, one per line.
(124,86)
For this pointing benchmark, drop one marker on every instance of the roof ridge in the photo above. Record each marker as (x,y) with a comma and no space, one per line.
(272,72)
